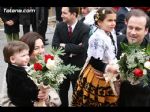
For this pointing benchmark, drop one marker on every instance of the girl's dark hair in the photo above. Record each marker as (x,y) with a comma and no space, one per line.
(102,12)
(30,38)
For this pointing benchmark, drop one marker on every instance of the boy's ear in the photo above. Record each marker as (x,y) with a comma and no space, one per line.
(12,59)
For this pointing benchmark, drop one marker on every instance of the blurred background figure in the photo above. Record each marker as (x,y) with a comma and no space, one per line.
(87,14)
(42,21)
(58,14)
(11,23)
(120,22)
(27,19)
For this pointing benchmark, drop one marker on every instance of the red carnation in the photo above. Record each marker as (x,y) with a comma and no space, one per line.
(38,66)
(138,72)
(48,56)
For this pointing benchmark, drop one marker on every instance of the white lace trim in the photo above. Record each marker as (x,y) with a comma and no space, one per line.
(100,46)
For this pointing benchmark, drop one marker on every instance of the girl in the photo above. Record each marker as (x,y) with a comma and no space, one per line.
(91,88)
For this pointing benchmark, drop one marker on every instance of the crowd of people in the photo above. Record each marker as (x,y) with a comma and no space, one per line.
(91,42)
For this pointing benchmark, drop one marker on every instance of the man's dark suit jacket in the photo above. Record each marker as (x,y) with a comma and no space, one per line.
(80,35)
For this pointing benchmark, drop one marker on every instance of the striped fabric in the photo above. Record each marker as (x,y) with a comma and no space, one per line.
(91,91)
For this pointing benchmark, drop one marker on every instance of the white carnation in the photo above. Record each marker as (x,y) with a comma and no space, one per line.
(144,71)
(60,78)
(50,64)
(147,65)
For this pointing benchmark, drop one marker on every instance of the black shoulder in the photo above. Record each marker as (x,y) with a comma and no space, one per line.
(84,26)
(121,38)
(147,37)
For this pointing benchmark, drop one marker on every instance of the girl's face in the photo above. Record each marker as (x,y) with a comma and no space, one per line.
(21,58)
(109,23)
(38,48)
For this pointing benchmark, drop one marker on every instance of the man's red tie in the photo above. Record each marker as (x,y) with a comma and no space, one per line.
(69,31)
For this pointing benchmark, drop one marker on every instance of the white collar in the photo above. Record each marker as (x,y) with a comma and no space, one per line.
(128,8)
(73,25)
(21,66)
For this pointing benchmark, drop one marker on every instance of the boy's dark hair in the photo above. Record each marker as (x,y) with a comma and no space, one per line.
(102,13)
(30,38)
(138,13)
(13,47)
(74,10)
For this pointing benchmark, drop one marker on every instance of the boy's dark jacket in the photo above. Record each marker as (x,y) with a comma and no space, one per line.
(22,91)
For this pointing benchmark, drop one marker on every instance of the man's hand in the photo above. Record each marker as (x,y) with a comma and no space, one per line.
(10,22)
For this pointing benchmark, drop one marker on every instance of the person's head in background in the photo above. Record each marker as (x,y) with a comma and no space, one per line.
(69,14)
(105,18)
(85,10)
(35,43)
(16,53)
(137,26)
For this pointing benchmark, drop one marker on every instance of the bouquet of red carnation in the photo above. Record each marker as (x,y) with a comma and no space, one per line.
(134,63)
(50,69)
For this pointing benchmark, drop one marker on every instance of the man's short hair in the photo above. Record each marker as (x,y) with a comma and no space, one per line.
(74,10)
(138,13)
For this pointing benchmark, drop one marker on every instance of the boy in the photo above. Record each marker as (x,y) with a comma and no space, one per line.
(22,91)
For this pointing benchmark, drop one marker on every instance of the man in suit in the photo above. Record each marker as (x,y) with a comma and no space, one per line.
(75,45)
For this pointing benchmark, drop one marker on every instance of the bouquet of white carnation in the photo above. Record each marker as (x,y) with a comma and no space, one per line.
(50,69)
(134,63)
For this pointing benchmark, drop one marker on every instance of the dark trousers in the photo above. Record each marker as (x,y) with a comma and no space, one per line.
(33,22)
(58,13)
(64,88)
(26,28)
(42,22)
(43,28)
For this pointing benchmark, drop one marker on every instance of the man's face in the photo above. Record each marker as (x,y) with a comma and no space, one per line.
(136,30)
(85,11)
(66,15)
